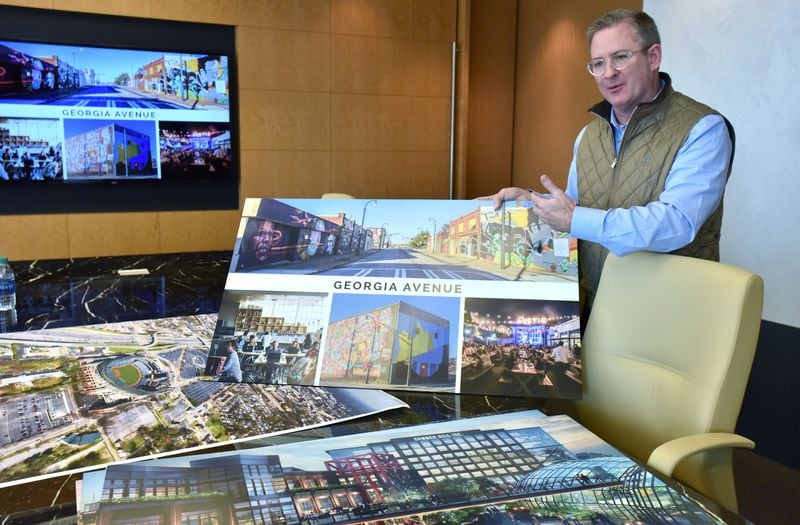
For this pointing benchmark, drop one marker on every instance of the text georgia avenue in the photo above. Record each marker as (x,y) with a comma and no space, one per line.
(390,286)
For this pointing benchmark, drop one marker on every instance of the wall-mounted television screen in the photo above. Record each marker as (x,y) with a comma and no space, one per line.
(107,113)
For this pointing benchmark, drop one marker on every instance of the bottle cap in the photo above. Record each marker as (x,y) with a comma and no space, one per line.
(3,260)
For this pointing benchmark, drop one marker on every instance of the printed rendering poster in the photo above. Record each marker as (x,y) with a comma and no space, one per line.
(74,398)
(508,468)
(429,295)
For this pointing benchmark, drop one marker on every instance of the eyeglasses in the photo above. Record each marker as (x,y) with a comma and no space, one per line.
(619,61)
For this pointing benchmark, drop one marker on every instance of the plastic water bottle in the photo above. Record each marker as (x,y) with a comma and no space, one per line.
(8,286)
(8,296)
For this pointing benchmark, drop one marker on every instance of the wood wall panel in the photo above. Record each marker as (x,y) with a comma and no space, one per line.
(425,180)
(390,174)
(490,113)
(371,122)
(386,18)
(26,237)
(371,65)
(553,89)
(408,19)
(275,173)
(95,234)
(284,120)
(304,15)
(283,60)
(197,230)
(431,124)
(46,4)
(431,69)
(434,20)
(109,7)
(388,66)
(208,11)
(386,123)
(371,174)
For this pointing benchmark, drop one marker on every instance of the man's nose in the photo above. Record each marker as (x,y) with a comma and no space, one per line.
(609,70)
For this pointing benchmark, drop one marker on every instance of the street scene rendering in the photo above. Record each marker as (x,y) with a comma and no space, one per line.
(73,398)
(462,240)
(92,77)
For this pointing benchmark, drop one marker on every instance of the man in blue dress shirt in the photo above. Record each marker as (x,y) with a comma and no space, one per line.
(231,370)
(650,171)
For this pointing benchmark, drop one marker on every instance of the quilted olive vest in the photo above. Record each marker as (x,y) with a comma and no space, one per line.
(637,174)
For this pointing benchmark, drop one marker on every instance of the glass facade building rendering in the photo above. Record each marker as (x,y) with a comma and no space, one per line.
(499,455)
(524,471)
(241,489)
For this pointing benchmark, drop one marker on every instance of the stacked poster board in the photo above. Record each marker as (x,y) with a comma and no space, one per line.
(518,468)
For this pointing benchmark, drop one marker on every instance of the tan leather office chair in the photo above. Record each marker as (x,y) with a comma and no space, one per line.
(337,196)
(666,356)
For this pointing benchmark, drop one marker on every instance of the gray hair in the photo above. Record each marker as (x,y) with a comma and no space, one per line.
(642,23)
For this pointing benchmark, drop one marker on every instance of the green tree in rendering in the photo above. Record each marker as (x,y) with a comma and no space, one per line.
(419,241)
(456,489)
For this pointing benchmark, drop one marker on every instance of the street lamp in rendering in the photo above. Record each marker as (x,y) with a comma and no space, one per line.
(433,241)
(404,338)
(383,235)
(361,237)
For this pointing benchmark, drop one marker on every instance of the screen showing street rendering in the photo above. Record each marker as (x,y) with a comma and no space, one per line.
(78,113)
(428,295)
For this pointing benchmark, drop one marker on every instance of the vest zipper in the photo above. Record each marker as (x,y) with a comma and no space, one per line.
(617,153)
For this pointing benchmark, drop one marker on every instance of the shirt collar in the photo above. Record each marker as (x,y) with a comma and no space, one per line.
(621,127)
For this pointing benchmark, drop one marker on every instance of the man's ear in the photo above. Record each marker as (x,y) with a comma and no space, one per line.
(654,56)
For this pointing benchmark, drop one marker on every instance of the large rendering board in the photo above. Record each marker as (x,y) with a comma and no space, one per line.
(400,294)
(75,398)
(508,468)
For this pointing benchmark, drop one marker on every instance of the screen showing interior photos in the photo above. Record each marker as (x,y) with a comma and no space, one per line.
(116,112)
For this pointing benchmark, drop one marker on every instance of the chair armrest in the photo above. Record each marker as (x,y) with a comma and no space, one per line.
(666,456)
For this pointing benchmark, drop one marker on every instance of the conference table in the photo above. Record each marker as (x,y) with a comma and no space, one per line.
(75,292)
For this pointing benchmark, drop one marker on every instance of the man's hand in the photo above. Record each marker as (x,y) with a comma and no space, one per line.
(555,209)
(506,194)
